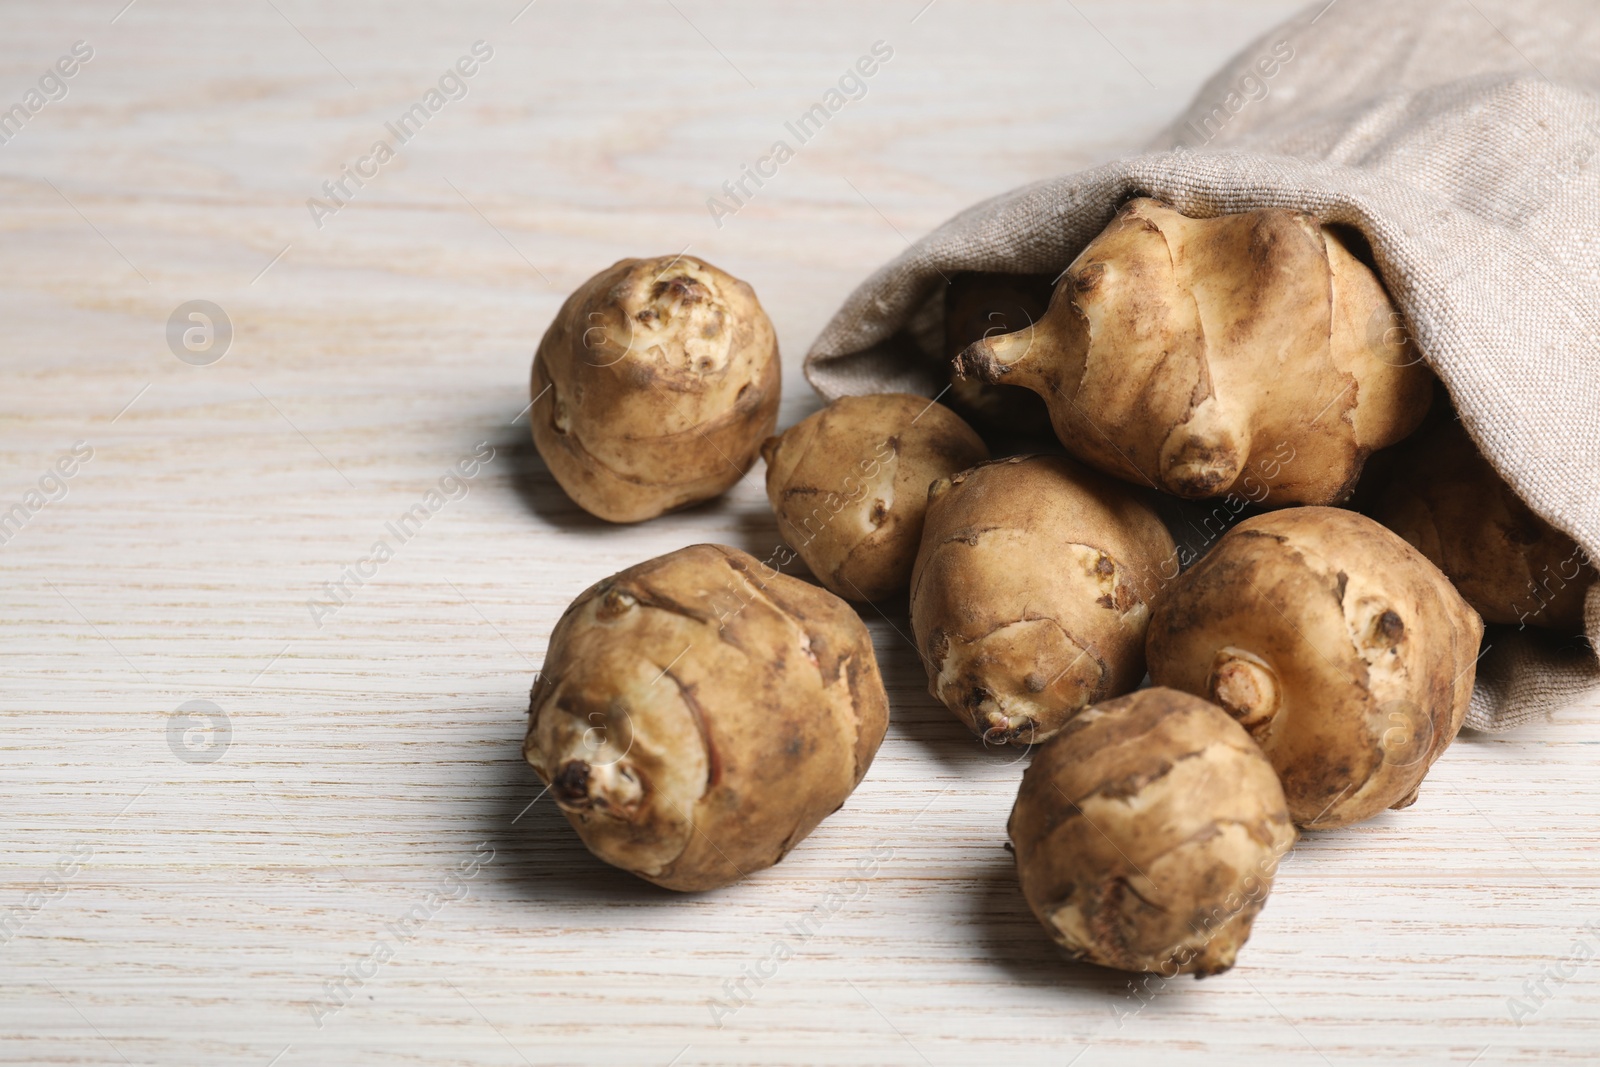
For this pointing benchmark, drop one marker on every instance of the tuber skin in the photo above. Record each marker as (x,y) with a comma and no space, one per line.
(979,304)
(663,379)
(849,485)
(1345,654)
(1447,500)
(1201,355)
(699,714)
(1029,596)
(1147,834)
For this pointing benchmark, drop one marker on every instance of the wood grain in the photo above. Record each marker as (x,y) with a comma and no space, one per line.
(209,904)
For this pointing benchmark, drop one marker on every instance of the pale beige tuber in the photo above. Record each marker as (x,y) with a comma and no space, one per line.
(1030,596)
(654,387)
(699,714)
(850,483)
(1346,655)
(1148,833)
(1208,356)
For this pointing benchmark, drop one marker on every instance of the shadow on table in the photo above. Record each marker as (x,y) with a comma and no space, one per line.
(539,857)
(755,530)
(537,487)
(1018,944)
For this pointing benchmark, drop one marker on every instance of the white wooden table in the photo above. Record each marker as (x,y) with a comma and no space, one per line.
(195,897)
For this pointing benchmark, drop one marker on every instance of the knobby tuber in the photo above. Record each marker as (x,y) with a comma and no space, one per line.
(1029,599)
(1446,499)
(850,486)
(1345,654)
(1147,834)
(699,714)
(1193,354)
(662,379)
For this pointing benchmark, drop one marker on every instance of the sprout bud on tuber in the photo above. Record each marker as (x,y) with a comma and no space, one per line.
(978,305)
(1345,654)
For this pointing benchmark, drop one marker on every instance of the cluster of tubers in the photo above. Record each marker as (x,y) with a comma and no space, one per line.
(700,713)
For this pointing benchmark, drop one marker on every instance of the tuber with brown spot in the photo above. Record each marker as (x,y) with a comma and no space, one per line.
(1030,596)
(699,714)
(1447,500)
(1249,353)
(1345,654)
(654,387)
(850,483)
(1147,834)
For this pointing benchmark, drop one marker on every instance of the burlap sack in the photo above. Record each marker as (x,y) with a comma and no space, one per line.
(1461,137)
